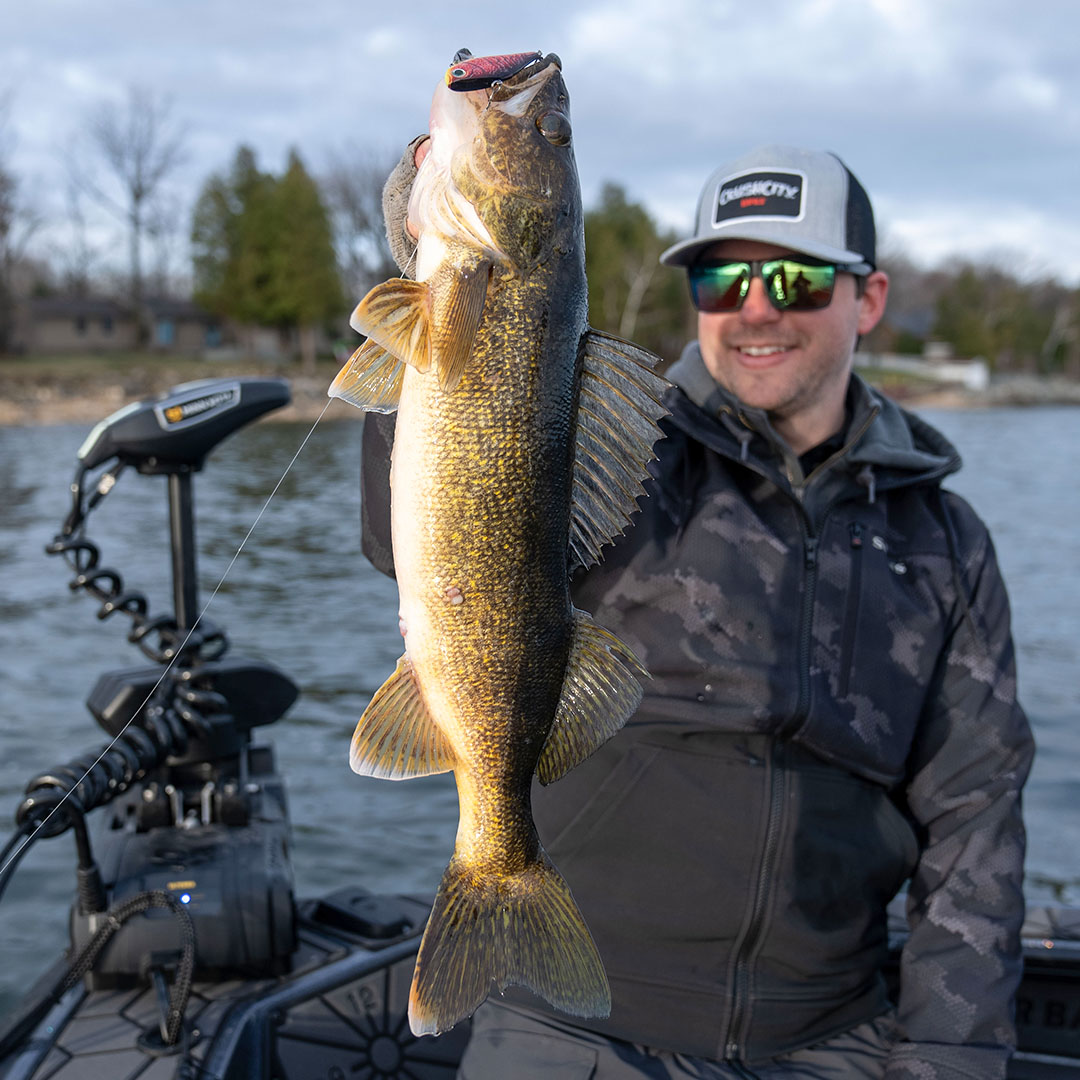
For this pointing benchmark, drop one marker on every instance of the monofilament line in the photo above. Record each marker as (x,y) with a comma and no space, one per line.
(176,654)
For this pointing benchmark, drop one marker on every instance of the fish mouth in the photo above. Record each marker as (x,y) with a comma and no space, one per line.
(506,88)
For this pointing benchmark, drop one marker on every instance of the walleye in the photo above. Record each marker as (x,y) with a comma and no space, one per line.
(521,443)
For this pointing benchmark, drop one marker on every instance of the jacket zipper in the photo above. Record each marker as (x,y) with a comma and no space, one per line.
(776,799)
(851,614)
(740,989)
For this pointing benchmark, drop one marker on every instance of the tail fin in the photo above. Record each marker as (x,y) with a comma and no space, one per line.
(516,929)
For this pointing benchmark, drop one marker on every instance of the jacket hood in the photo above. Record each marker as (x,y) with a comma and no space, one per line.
(892,440)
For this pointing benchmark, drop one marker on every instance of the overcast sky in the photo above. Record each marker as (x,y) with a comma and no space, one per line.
(961,117)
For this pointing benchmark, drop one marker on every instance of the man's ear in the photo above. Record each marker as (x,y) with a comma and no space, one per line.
(872,301)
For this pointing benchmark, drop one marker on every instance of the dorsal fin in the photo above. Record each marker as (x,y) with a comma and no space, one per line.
(618,407)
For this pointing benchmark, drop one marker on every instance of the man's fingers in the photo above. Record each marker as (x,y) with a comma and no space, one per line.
(422,150)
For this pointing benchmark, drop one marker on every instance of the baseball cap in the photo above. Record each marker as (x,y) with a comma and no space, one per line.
(806,200)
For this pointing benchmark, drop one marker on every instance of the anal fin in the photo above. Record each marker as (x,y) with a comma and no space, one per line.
(370,380)
(600,693)
(396,739)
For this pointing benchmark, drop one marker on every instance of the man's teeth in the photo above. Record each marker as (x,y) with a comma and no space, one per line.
(761,350)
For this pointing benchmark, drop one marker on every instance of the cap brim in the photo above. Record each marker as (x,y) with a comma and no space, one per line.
(687,252)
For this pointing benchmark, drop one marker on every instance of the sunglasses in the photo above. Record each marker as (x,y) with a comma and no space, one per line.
(790,284)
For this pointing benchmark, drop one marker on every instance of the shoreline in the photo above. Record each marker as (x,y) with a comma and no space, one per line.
(32,396)
(39,399)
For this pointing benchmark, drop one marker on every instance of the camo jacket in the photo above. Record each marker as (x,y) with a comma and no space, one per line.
(832,712)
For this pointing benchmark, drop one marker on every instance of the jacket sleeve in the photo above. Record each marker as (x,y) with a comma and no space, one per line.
(962,963)
(376,444)
(378,437)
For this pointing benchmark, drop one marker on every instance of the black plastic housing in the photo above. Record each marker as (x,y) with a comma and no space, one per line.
(178,429)
(236,884)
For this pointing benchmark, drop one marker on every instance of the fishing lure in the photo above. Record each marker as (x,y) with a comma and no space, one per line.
(480,72)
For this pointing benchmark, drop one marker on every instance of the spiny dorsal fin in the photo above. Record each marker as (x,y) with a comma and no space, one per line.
(600,693)
(457,302)
(370,379)
(396,738)
(618,407)
(397,315)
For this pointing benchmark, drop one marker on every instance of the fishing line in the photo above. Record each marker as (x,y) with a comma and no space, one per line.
(16,854)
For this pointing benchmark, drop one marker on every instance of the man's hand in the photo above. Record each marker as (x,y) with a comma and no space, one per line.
(400,233)
(422,150)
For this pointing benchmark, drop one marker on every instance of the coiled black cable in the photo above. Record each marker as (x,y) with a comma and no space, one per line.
(13,853)
(96,777)
(107,585)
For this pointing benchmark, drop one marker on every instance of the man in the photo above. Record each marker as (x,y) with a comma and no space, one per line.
(832,708)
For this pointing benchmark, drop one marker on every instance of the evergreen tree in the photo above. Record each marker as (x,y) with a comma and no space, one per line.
(232,238)
(630,293)
(305,286)
(262,250)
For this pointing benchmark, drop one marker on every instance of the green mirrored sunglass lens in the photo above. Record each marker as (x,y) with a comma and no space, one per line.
(719,288)
(799,285)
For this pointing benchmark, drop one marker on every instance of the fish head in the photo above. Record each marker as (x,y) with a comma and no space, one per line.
(500,173)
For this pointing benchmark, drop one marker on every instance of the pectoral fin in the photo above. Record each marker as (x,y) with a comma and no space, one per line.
(618,407)
(397,316)
(599,695)
(457,302)
(370,380)
(396,738)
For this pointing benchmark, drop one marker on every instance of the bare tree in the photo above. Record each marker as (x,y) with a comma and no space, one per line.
(140,145)
(163,230)
(352,186)
(77,255)
(18,223)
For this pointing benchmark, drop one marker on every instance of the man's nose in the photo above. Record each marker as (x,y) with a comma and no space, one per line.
(756,308)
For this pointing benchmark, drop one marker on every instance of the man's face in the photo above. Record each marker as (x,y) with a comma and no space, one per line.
(789,363)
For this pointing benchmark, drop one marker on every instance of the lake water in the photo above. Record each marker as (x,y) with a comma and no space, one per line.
(303,597)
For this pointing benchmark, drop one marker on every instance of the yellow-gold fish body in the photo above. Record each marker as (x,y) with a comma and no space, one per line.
(520,446)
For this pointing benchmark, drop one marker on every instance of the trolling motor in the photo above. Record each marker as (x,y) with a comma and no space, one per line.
(192,870)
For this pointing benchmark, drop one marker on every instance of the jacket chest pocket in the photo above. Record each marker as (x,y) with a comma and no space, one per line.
(879,628)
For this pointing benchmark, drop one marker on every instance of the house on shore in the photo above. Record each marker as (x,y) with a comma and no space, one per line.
(58,325)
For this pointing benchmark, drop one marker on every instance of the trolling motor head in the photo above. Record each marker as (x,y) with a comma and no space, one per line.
(174,432)
(178,429)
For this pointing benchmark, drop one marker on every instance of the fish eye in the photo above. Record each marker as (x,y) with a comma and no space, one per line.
(555,127)
(459,73)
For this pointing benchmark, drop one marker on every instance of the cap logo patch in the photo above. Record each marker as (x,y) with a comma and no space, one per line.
(760,195)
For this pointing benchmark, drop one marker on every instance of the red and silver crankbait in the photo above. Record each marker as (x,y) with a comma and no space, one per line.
(481,72)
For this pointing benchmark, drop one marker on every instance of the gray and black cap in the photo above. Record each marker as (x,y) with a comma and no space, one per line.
(806,200)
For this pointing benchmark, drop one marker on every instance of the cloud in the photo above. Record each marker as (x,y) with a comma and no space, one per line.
(1030,243)
(937,106)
